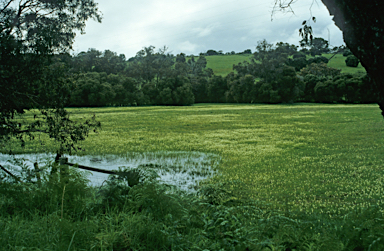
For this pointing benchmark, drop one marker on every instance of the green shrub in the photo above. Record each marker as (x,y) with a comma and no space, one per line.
(53,193)
(299,55)
(352,61)
(318,60)
(347,53)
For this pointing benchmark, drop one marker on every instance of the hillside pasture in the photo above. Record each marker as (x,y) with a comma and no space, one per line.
(223,64)
(338,62)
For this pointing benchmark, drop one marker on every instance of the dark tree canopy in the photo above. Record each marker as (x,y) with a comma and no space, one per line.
(363,31)
(33,33)
(362,25)
(317,46)
(45,26)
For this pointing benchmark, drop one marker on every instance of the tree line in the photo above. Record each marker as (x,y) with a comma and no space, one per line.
(276,74)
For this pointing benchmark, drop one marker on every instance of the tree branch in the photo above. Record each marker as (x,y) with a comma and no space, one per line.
(10,174)
(6,6)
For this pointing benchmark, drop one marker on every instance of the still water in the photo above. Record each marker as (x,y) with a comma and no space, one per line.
(183,169)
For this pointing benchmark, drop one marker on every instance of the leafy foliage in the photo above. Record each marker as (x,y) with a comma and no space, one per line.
(352,61)
(317,45)
(47,193)
(159,78)
(347,53)
(33,73)
(148,216)
(359,22)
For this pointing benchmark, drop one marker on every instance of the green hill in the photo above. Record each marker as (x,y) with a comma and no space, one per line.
(222,64)
(338,62)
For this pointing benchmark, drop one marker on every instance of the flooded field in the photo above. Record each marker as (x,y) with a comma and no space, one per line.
(182,169)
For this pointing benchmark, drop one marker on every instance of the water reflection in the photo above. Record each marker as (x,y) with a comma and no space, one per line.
(182,169)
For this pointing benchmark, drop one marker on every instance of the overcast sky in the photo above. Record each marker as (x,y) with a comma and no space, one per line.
(196,26)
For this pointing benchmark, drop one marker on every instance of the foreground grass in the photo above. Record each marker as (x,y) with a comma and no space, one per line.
(302,157)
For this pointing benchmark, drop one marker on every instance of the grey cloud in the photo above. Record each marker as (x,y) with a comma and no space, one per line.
(199,25)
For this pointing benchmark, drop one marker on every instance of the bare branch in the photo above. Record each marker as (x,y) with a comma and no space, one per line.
(285,5)
(6,6)
(282,5)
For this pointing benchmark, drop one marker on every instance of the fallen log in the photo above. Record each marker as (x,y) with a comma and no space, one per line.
(9,173)
(91,168)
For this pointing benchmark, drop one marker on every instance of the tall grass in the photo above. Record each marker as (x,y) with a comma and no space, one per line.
(147,216)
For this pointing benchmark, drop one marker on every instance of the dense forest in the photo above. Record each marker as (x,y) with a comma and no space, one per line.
(278,73)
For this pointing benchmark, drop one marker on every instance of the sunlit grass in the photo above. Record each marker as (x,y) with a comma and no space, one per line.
(223,64)
(304,157)
(338,62)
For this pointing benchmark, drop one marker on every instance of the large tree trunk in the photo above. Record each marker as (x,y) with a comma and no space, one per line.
(362,24)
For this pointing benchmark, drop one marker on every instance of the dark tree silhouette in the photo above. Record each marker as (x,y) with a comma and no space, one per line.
(363,31)
(33,75)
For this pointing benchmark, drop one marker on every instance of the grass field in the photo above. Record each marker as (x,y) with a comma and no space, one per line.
(338,62)
(305,157)
(222,64)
